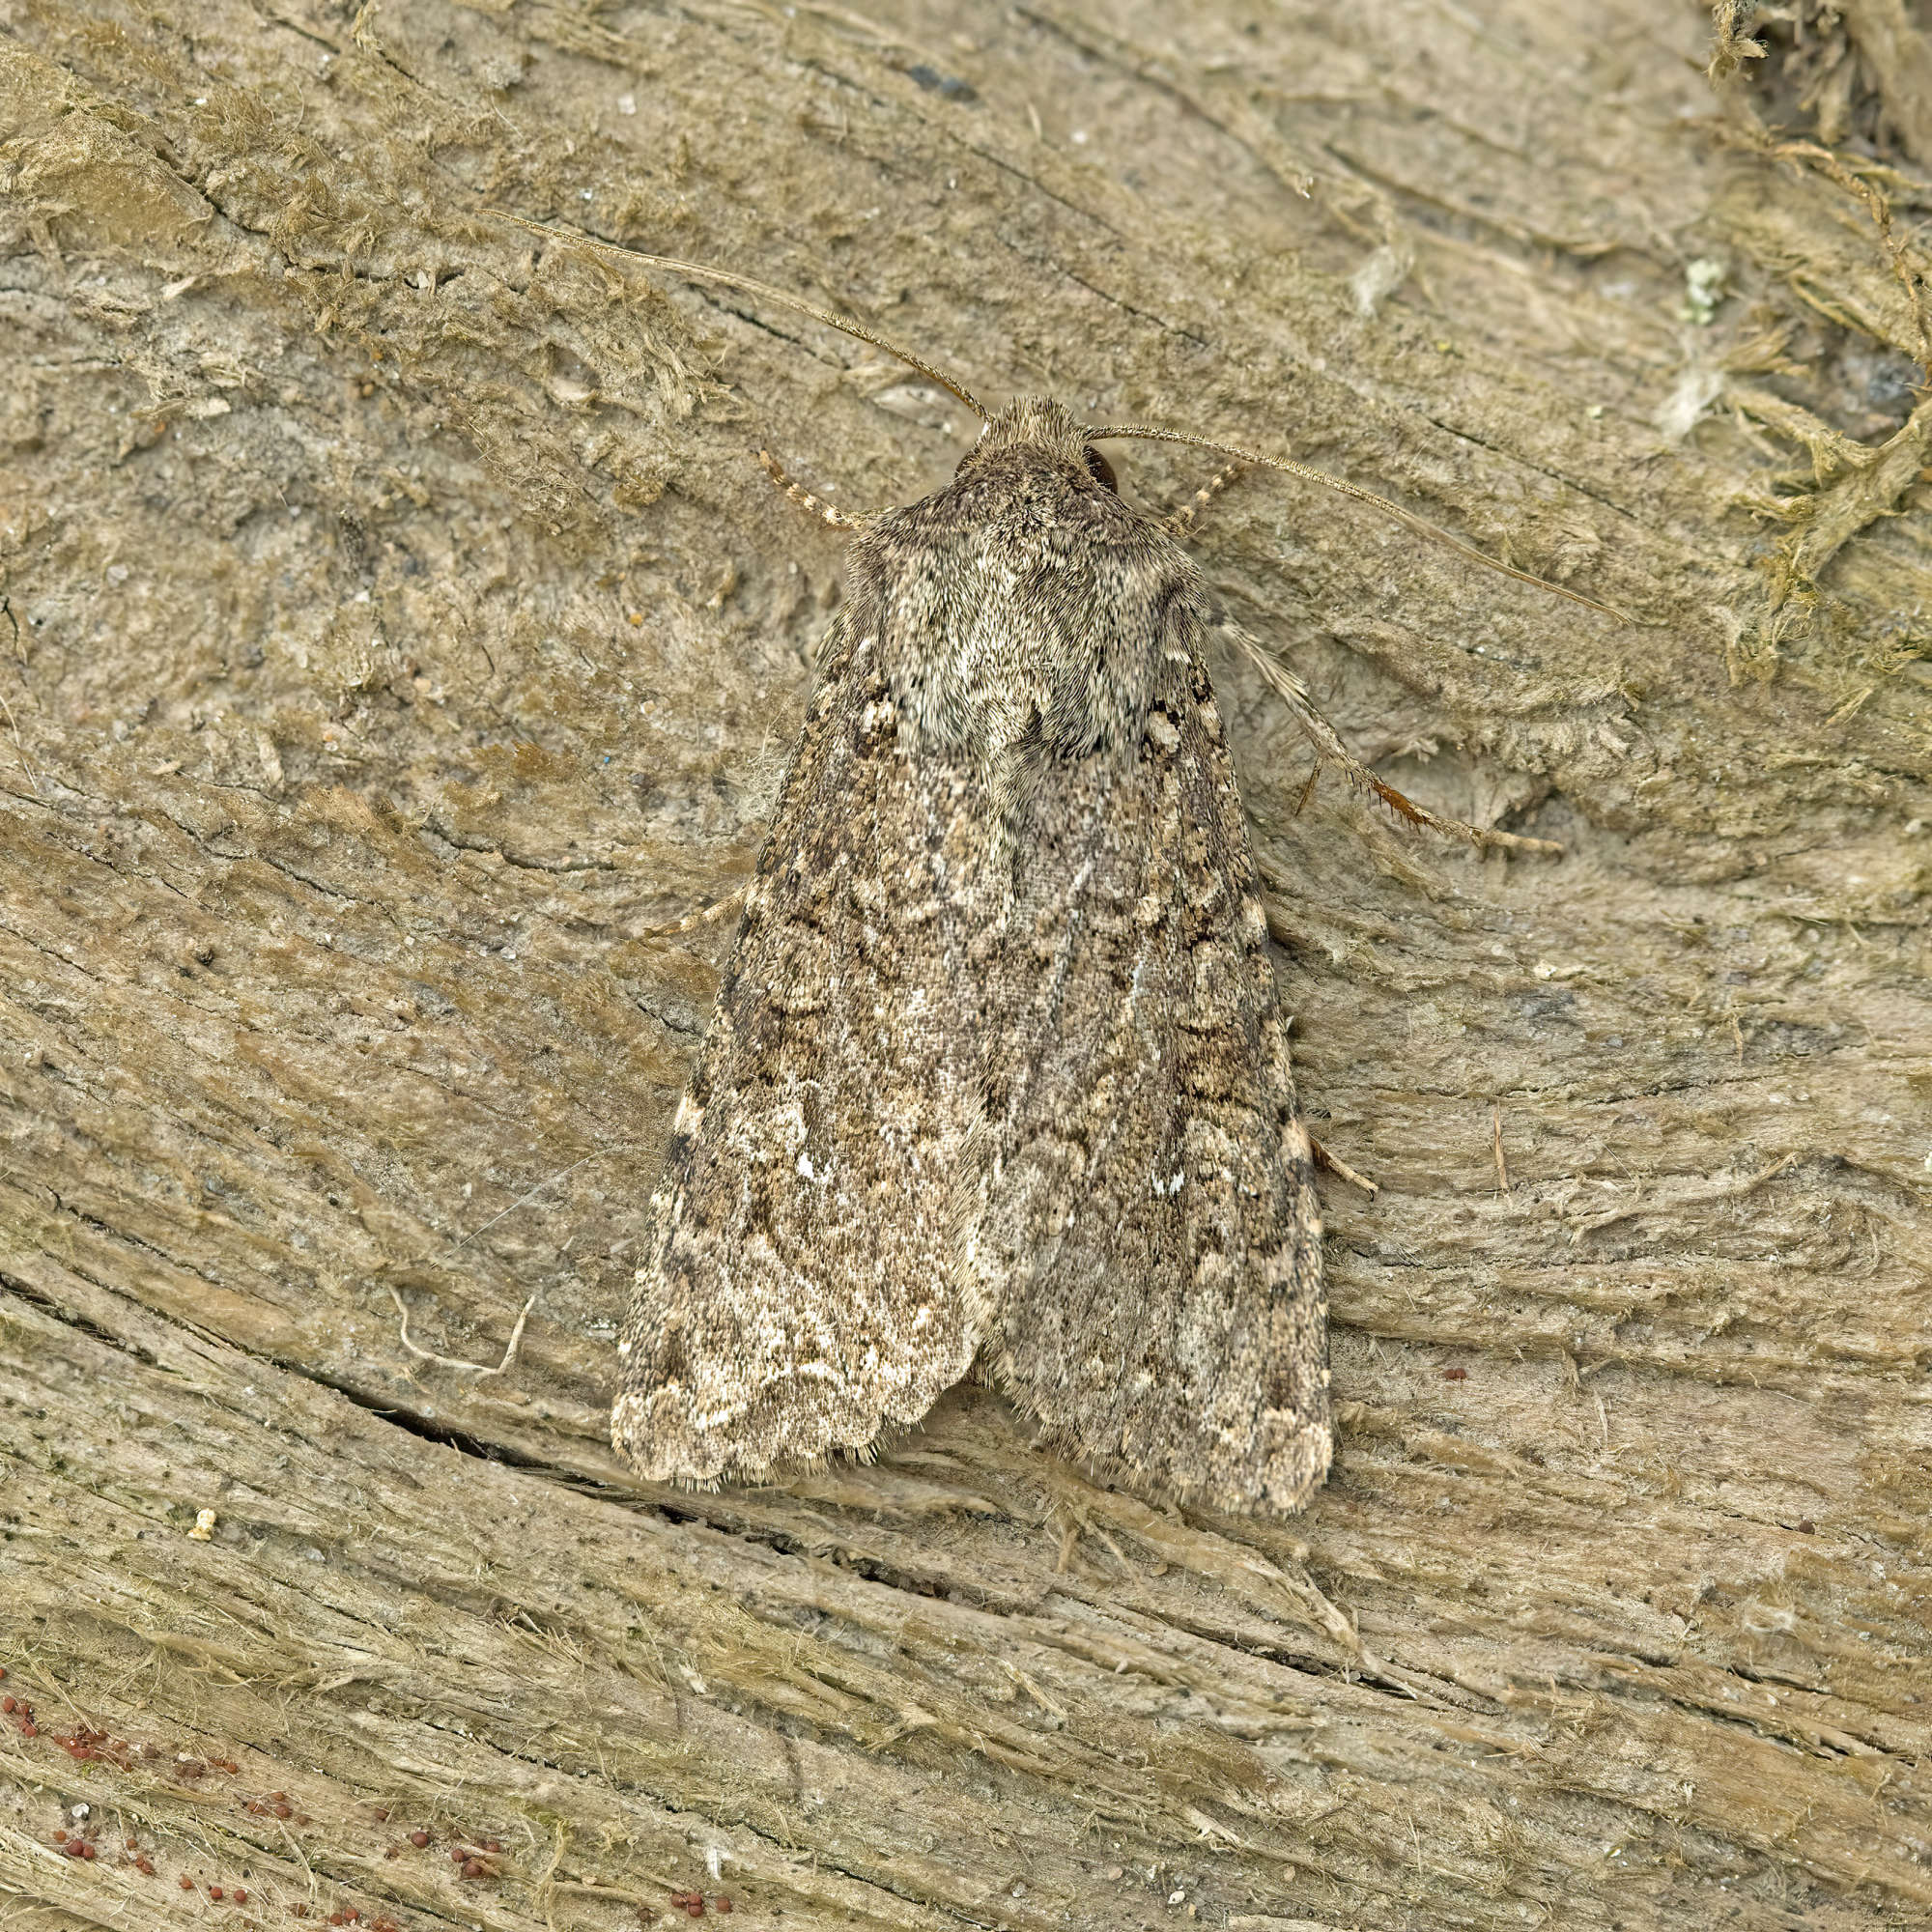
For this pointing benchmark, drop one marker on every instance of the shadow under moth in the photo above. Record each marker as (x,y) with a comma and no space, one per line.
(997,1074)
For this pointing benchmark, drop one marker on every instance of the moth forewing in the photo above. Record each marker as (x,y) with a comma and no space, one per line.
(1155,1224)
(798,1294)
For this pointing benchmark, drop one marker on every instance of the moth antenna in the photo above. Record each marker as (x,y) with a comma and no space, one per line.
(1330,750)
(1420,525)
(726,279)
(839,519)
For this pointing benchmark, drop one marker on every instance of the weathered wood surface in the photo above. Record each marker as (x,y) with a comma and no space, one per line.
(397,633)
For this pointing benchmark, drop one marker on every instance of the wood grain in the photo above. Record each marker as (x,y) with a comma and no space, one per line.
(401,633)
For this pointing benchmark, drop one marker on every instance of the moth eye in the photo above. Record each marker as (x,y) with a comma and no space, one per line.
(1100,469)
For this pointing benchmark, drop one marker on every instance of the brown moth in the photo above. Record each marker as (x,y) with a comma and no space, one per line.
(996,1073)
(996,1068)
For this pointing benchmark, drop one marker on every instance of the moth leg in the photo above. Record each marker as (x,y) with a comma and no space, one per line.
(800,495)
(1327,1157)
(1330,750)
(1182,518)
(717,910)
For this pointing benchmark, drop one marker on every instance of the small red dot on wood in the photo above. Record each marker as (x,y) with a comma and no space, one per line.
(134,1844)
(215,1892)
(60,1835)
(187,1883)
(86,1849)
(1455,1375)
(418,1839)
(8,1705)
(491,1845)
(29,1730)
(722,1904)
(240,1896)
(3,1673)
(471,1870)
(283,1811)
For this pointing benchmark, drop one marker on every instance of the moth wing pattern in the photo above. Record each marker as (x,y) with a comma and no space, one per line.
(1151,1211)
(801,1294)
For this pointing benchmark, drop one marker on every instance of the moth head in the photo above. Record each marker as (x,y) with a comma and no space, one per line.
(1039,427)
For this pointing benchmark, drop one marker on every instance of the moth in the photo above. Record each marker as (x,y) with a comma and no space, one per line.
(997,1073)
